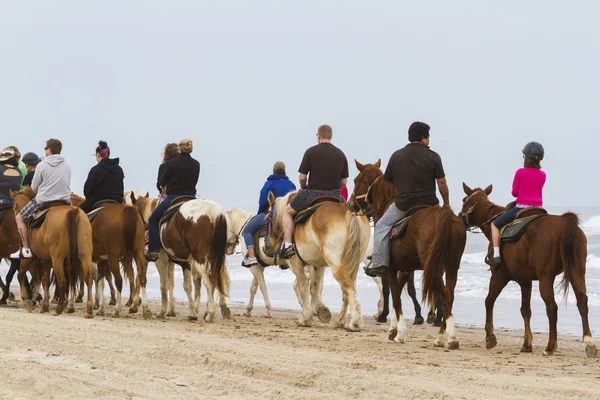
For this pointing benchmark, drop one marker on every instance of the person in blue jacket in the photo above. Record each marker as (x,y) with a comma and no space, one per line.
(280,185)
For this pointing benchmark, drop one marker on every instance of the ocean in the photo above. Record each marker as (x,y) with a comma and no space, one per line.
(470,293)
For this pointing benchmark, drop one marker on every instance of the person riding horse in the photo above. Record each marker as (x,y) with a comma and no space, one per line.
(31,160)
(180,178)
(171,151)
(104,181)
(323,172)
(51,182)
(10,176)
(527,188)
(414,170)
(279,184)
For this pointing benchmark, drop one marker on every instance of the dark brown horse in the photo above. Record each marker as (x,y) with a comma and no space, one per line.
(434,241)
(551,245)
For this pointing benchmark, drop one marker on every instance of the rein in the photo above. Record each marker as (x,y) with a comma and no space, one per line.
(473,227)
(270,229)
(370,208)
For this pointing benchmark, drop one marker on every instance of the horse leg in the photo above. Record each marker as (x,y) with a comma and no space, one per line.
(225,311)
(526,314)
(209,315)
(113,265)
(134,287)
(28,300)
(253,288)
(87,275)
(171,271)
(582,304)
(14,267)
(113,291)
(439,312)
(187,286)
(132,297)
(498,282)
(316,286)
(61,282)
(197,289)
(71,299)
(46,285)
(142,266)
(446,300)
(162,267)
(378,282)
(397,331)
(302,292)
(547,293)
(385,291)
(79,298)
(412,292)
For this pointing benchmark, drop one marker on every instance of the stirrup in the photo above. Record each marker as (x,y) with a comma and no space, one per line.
(287,252)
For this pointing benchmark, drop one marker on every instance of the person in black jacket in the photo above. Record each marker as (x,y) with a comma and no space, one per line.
(179,178)
(31,160)
(171,152)
(105,180)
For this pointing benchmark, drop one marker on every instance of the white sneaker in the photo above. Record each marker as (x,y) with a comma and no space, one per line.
(249,261)
(21,253)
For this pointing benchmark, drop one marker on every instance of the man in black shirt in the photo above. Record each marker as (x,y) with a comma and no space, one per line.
(414,170)
(323,172)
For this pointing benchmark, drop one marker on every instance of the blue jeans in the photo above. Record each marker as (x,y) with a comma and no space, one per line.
(6,202)
(252,226)
(381,240)
(154,220)
(507,217)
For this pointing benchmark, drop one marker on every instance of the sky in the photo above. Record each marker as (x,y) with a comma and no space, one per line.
(250,81)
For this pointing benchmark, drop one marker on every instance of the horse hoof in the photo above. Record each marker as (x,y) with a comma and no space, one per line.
(112,302)
(133,310)
(59,310)
(526,349)
(11,296)
(419,321)
(548,353)
(79,300)
(339,325)
(70,310)
(209,319)
(437,323)
(171,314)
(324,314)
(247,314)
(29,305)
(116,314)
(430,318)
(89,315)
(129,303)
(147,314)
(591,351)
(392,334)
(268,314)
(353,328)
(44,310)
(192,318)
(382,319)
(453,345)
(438,343)
(490,342)
(226,312)
(304,324)
(160,315)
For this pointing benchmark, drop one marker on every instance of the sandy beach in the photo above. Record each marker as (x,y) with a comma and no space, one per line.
(45,356)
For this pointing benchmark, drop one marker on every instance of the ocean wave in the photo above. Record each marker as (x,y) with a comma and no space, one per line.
(591,227)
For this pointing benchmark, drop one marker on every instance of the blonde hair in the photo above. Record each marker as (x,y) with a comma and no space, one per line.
(186,146)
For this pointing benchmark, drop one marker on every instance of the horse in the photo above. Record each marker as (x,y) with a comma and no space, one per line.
(434,241)
(65,237)
(239,218)
(551,245)
(196,238)
(332,236)
(118,234)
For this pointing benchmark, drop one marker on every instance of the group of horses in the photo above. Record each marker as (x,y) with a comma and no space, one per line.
(199,234)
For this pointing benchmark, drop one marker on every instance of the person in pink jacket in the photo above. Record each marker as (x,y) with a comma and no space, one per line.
(527,188)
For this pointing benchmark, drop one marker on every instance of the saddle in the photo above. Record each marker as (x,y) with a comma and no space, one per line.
(513,231)
(304,215)
(399,228)
(175,206)
(39,218)
(99,206)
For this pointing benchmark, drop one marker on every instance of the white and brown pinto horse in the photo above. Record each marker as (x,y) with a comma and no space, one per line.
(333,236)
(238,219)
(196,238)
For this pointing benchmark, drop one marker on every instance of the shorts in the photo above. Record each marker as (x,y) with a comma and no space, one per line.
(305,197)
(30,209)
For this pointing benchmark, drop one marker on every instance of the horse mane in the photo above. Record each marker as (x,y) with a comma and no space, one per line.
(280,205)
(27,191)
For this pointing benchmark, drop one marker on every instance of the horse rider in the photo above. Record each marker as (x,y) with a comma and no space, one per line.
(323,172)
(414,170)
(279,184)
(10,176)
(31,160)
(171,151)
(104,181)
(51,182)
(180,177)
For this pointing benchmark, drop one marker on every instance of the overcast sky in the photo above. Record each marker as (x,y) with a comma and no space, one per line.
(250,81)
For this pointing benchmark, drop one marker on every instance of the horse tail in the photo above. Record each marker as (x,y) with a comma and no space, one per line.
(129,231)
(573,264)
(438,253)
(352,254)
(217,272)
(74,262)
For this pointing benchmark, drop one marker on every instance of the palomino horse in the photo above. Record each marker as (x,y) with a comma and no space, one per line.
(196,238)
(118,234)
(238,219)
(65,235)
(333,236)
(551,245)
(434,241)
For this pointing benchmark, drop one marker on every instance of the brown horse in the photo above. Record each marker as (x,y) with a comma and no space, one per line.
(197,238)
(551,245)
(434,241)
(65,235)
(9,243)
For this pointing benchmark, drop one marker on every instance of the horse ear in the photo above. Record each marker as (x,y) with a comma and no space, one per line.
(359,166)
(378,163)
(133,199)
(468,190)
(13,194)
(271,199)
(488,190)
(147,194)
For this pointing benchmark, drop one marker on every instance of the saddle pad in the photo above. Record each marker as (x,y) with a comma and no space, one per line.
(399,228)
(94,213)
(175,206)
(304,215)
(513,231)
(38,219)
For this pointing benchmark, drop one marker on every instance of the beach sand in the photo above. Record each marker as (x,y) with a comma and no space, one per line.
(67,356)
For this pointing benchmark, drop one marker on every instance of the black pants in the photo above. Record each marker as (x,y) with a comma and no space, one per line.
(88,204)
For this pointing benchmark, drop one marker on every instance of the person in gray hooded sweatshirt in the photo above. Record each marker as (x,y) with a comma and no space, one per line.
(51,182)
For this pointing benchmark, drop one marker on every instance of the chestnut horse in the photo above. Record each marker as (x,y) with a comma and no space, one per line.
(332,237)
(65,235)
(434,241)
(551,245)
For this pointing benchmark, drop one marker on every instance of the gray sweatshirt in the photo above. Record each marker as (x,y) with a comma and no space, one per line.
(52,180)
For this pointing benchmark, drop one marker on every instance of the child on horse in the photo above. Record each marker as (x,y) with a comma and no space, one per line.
(527,188)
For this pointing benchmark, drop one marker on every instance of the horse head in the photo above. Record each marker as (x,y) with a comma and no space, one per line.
(367,175)
(474,204)
(21,198)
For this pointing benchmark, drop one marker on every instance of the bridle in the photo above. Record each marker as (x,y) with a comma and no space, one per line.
(268,249)
(465,216)
(370,208)
(239,235)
